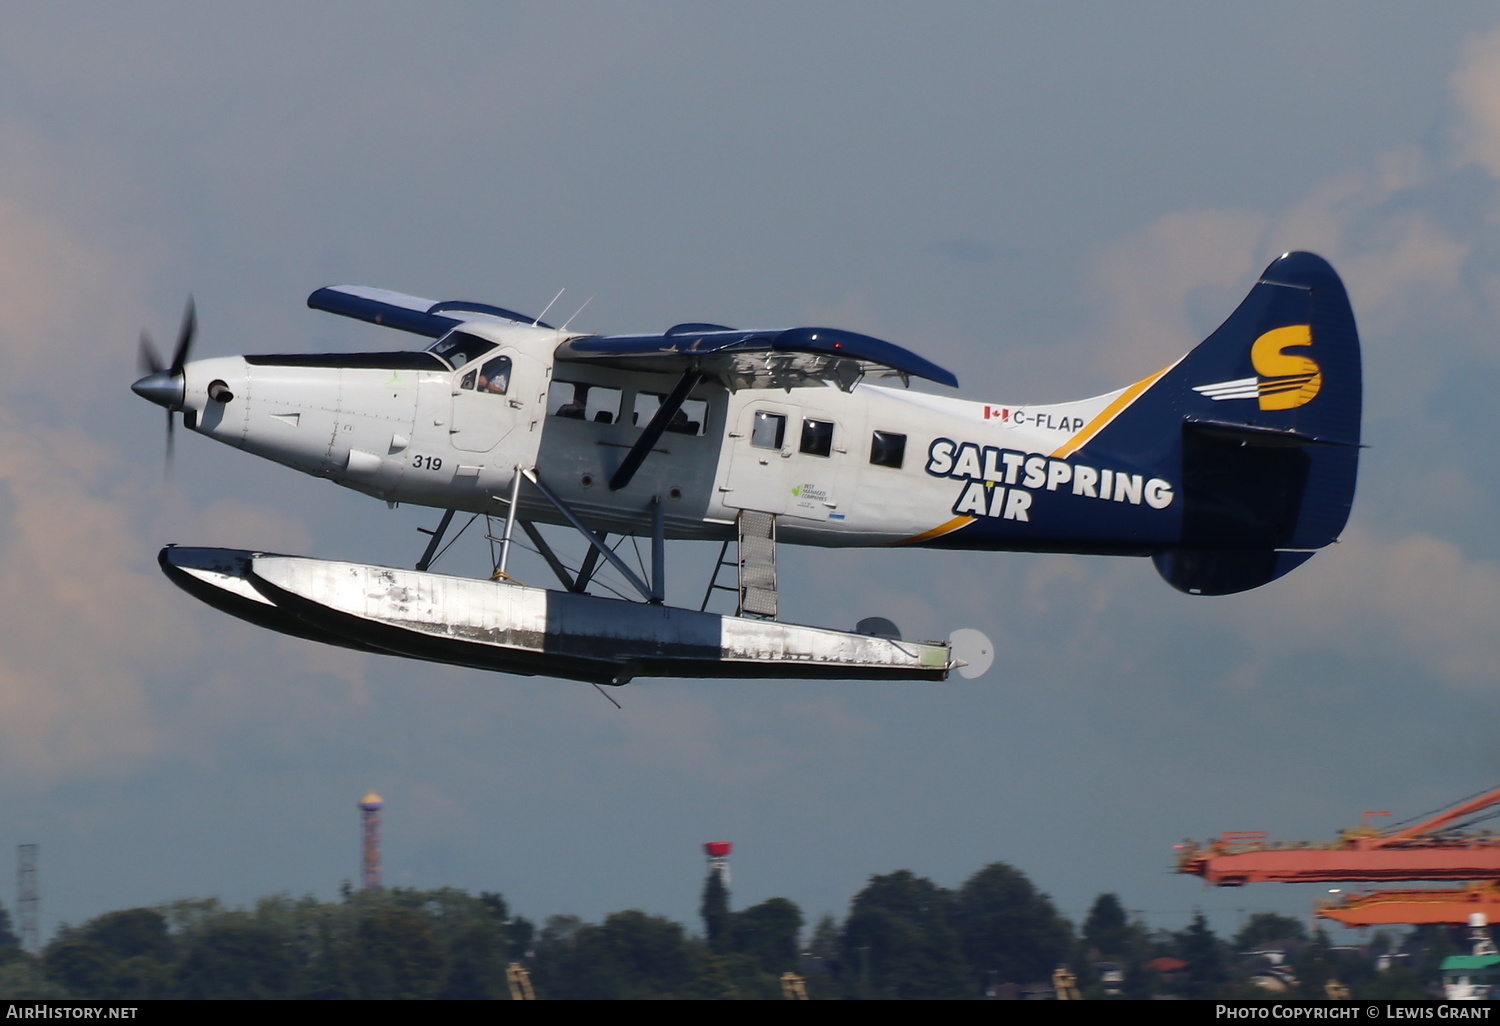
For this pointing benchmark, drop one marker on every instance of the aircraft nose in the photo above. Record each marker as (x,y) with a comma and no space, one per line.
(162,388)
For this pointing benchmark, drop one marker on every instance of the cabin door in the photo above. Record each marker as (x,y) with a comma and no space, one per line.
(782,462)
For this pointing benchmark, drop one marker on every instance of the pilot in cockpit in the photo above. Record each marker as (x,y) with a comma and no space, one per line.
(495,376)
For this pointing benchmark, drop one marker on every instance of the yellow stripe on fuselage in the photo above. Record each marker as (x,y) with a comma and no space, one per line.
(1109,413)
(937,532)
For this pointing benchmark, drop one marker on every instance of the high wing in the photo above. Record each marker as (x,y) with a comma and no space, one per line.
(783,358)
(778,358)
(409,313)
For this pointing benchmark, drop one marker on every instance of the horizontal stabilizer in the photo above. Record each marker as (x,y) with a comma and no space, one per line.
(1249,434)
(1224,572)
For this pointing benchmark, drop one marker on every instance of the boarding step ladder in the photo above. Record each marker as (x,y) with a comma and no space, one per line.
(756,562)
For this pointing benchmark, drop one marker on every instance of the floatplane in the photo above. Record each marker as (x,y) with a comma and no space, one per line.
(1227,469)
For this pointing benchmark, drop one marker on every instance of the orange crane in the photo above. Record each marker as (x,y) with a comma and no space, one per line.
(1452,906)
(1432,849)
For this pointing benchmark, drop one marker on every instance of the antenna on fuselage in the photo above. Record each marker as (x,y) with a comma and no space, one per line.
(548,306)
(569,321)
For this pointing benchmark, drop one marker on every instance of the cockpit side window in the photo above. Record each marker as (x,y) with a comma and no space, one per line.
(459,347)
(494,376)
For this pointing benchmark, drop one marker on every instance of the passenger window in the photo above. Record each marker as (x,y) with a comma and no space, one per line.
(817,437)
(690,419)
(576,400)
(887,449)
(769,430)
(560,400)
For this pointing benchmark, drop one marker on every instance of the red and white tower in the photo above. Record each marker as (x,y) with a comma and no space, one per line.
(369,810)
(718,858)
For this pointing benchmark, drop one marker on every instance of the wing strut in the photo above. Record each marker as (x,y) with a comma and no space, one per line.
(578,584)
(664,414)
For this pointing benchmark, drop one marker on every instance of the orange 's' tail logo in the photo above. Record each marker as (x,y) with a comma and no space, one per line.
(1286,380)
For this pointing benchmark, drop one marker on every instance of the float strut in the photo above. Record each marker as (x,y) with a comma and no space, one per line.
(590,563)
(510,523)
(437,538)
(547,554)
(599,546)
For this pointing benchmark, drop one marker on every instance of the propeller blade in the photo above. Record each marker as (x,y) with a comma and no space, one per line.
(165,384)
(185,338)
(148,359)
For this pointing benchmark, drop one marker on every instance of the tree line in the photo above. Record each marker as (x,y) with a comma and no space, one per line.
(902,937)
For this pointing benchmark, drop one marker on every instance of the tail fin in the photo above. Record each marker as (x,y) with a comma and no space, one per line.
(1264,421)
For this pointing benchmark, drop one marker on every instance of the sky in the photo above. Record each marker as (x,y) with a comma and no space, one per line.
(1051,200)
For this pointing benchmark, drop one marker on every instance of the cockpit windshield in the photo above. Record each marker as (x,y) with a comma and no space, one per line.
(459,348)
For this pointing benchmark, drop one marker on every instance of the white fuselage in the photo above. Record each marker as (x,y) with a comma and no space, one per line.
(870,466)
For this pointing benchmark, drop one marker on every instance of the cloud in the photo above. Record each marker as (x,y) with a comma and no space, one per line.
(52,285)
(1145,280)
(102,662)
(1395,261)
(81,624)
(1476,90)
(1415,601)
(83,620)
(68,295)
(1398,599)
(103,665)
